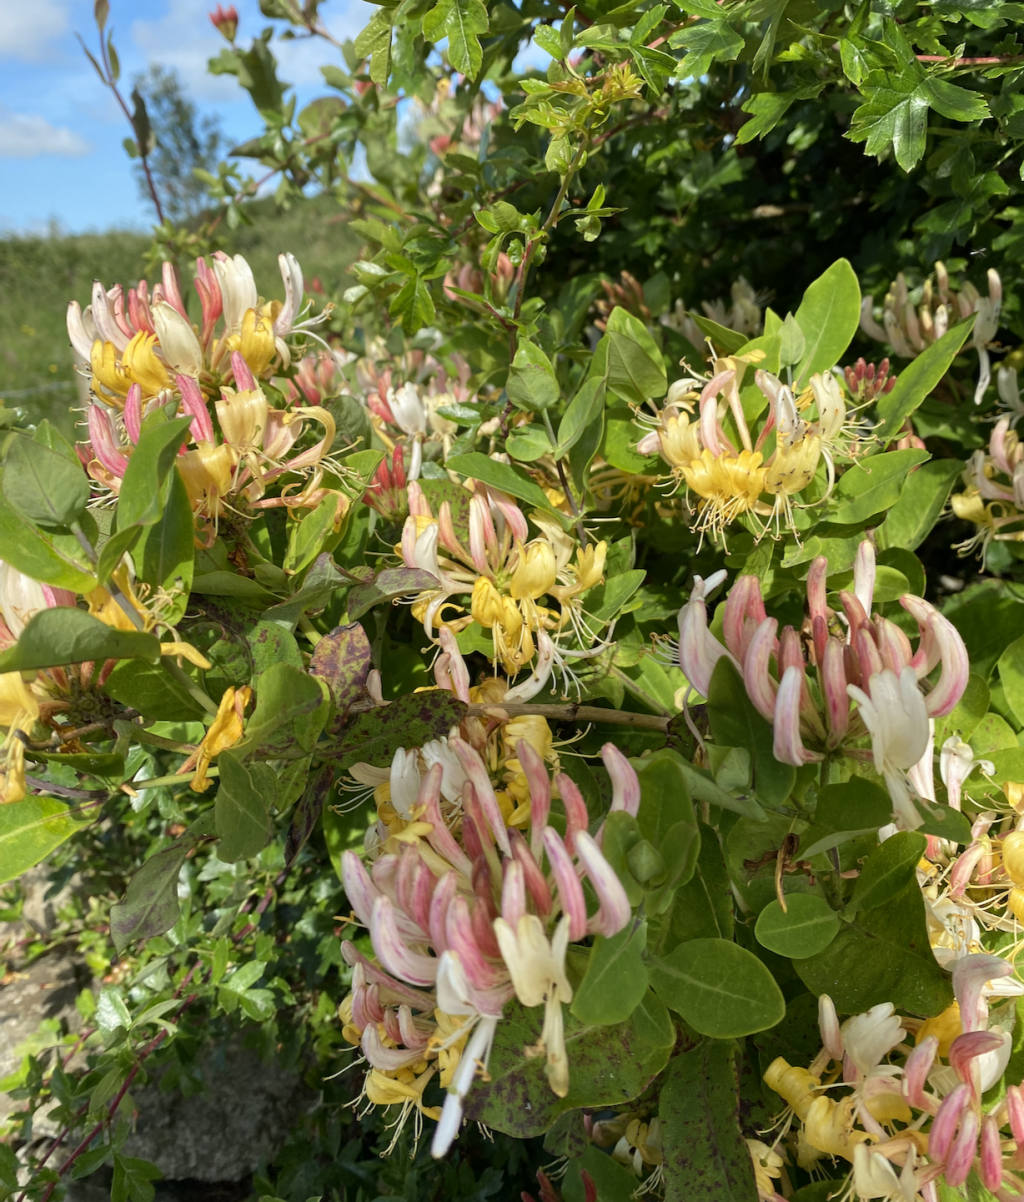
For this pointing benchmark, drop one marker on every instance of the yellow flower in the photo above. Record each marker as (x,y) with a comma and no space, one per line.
(18,706)
(795,1085)
(243,418)
(142,366)
(792,468)
(383,1090)
(487,605)
(829,1127)
(207,473)
(225,730)
(108,372)
(535,572)
(255,342)
(1013,856)
(680,440)
(945,1027)
(728,486)
(12,780)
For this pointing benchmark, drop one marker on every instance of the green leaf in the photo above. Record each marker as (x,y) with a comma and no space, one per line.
(150,905)
(725,340)
(605,601)
(918,379)
(845,811)
(888,870)
(828,317)
(1011,673)
(43,485)
(71,636)
(585,408)
(243,824)
(290,712)
(636,368)
(970,710)
(735,723)
(705,1155)
(151,690)
(165,555)
(532,385)
(141,498)
(46,556)
(702,908)
(608,1066)
(873,484)
(884,956)
(719,988)
(133,1179)
(466,21)
(410,721)
(705,43)
(529,443)
(768,109)
(616,978)
(31,828)
(512,480)
(921,502)
(413,305)
(374,42)
(807,926)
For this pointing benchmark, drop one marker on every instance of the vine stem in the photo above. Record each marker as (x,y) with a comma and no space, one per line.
(574,712)
(985,61)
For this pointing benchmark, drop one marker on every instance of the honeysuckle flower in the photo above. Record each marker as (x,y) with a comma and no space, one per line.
(730,481)
(912,321)
(462,915)
(805,687)
(223,732)
(868,1038)
(956,763)
(875,1177)
(21,598)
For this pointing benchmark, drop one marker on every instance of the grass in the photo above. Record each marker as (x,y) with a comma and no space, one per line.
(40,275)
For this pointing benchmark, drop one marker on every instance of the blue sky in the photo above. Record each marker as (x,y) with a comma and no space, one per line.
(61,131)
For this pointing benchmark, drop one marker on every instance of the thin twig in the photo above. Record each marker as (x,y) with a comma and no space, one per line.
(995,60)
(573,712)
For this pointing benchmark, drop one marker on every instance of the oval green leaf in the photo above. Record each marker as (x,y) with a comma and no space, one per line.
(71,636)
(719,988)
(807,926)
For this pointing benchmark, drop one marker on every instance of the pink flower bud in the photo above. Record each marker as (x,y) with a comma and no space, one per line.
(625,782)
(570,891)
(536,883)
(244,379)
(787,746)
(940,1136)
(577,818)
(392,951)
(463,941)
(970,976)
(744,612)
(105,446)
(513,893)
(915,1072)
(833,691)
(614,910)
(699,650)
(133,413)
(440,904)
(540,792)
(194,404)
(476,770)
(226,20)
(864,575)
(990,1165)
(757,679)
(952,655)
(961,1155)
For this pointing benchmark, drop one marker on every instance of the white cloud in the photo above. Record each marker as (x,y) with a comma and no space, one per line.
(26,29)
(26,136)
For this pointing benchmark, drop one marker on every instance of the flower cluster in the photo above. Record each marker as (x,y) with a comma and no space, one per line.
(465,912)
(909,1118)
(832,687)
(743,315)
(506,574)
(731,474)
(993,496)
(913,320)
(145,356)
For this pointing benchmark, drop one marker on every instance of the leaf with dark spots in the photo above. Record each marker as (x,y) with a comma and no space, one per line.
(342,661)
(386,586)
(269,644)
(411,721)
(150,906)
(307,813)
(705,1154)
(607,1066)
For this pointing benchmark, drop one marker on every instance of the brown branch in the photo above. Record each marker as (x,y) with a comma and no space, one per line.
(573,712)
(985,61)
